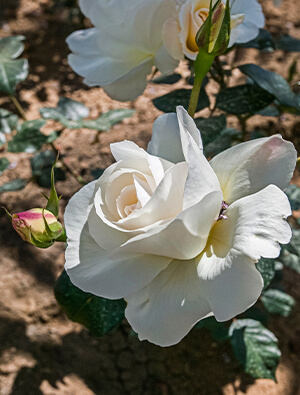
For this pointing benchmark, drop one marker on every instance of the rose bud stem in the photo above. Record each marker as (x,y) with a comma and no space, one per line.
(212,40)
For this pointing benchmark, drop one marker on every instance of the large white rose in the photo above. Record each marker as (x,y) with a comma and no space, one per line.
(175,235)
(179,31)
(119,52)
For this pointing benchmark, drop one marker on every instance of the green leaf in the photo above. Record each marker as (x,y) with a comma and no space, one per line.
(288,43)
(8,121)
(70,114)
(53,230)
(2,139)
(271,82)
(278,302)
(180,97)
(167,79)
(28,138)
(41,165)
(107,120)
(12,70)
(257,314)
(67,109)
(266,267)
(293,193)
(292,70)
(255,347)
(97,314)
(215,136)
(15,185)
(290,259)
(270,111)
(257,134)
(210,128)
(217,329)
(4,163)
(97,173)
(264,42)
(225,140)
(243,99)
(290,253)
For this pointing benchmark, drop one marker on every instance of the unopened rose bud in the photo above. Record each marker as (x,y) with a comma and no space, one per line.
(37,226)
(214,35)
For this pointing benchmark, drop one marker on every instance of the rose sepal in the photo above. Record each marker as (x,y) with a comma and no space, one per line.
(53,199)
(214,35)
(38,227)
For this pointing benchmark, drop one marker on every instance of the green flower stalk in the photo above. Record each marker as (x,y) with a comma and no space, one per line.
(212,39)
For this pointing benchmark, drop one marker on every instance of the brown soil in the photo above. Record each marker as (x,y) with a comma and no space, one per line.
(41,351)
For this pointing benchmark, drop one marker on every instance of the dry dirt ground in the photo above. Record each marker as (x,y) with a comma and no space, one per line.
(41,351)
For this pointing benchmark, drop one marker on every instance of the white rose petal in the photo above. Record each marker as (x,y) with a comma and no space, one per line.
(250,167)
(126,42)
(167,309)
(178,236)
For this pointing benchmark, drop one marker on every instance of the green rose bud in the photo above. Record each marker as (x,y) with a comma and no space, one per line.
(37,226)
(214,35)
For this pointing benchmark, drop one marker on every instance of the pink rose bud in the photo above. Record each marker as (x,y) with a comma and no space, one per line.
(37,226)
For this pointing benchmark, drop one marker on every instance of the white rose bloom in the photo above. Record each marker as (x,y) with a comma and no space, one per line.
(175,235)
(119,52)
(179,31)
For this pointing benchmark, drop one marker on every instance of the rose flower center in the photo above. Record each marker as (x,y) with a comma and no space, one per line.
(197,18)
(224,207)
(203,14)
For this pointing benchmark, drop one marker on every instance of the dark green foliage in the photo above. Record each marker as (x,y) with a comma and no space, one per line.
(67,109)
(4,163)
(167,79)
(288,43)
(270,111)
(15,185)
(264,42)
(70,114)
(290,253)
(256,313)
(278,302)
(8,121)
(217,329)
(243,99)
(2,139)
(28,138)
(226,139)
(255,347)
(293,192)
(97,314)
(215,136)
(41,165)
(180,97)
(12,70)
(210,128)
(107,120)
(96,173)
(266,267)
(273,83)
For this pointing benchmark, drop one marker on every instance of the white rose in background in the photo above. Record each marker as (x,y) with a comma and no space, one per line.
(126,42)
(175,235)
(179,31)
